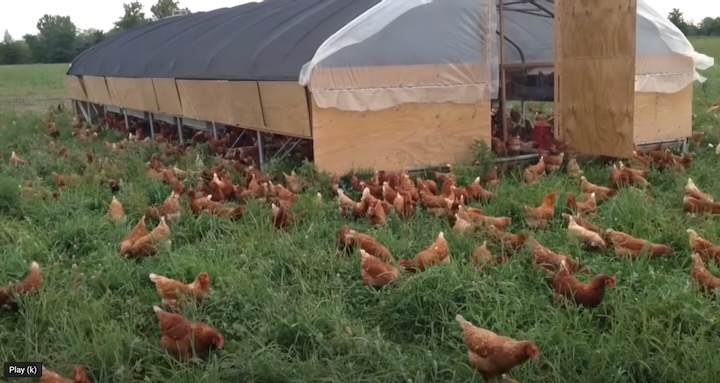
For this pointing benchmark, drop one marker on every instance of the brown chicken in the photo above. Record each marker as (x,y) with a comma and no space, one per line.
(116,212)
(404,205)
(537,217)
(601,192)
(79,376)
(437,252)
(376,214)
(180,337)
(697,206)
(706,249)
(582,207)
(553,163)
(171,290)
(627,245)
(63,180)
(170,208)
(294,183)
(140,244)
(475,191)
(281,217)
(348,239)
(506,241)
(16,161)
(585,232)
(532,172)
(548,259)
(348,207)
(375,272)
(693,191)
(482,256)
(491,179)
(573,168)
(494,355)
(702,276)
(32,283)
(589,295)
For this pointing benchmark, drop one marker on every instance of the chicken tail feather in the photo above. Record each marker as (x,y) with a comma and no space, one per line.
(157,309)
(154,277)
(35,267)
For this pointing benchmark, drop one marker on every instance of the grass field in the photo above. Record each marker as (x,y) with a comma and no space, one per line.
(31,88)
(293,309)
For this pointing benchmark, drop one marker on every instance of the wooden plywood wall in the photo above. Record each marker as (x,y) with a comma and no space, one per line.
(663,116)
(229,102)
(285,108)
(167,97)
(404,137)
(596,75)
(75,88)
(97,90)
(133,93)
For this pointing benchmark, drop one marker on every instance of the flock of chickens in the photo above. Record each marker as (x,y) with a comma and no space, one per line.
(383,195)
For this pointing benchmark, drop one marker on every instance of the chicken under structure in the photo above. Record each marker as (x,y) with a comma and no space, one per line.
(398,84)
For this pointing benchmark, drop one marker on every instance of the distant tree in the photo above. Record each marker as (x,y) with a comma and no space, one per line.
(13,52)
(164,8)
(133,16)
(87,38)
(710,26)
(7,38)
(676,17)
(56,38)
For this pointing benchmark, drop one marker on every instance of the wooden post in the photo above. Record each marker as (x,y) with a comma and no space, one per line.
(503,83)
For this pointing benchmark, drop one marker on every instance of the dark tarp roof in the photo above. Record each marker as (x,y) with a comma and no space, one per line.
(264,41)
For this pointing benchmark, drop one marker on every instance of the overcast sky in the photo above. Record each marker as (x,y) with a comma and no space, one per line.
(21,17)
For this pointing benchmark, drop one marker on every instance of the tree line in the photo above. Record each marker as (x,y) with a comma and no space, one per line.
(709,26)
(58,40)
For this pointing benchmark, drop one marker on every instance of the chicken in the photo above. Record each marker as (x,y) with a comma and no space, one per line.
(697,206)
(294,183)
(460,225)
(375,272)
(482,256)
(16,161)
(567,286)
(79,376)
(702,276)
(706,249)
(139,244)
(32,283)
(403,205)
(281,217)
(532,172)
(170,208)
(180,337)
(349,207)
(348,239)
(601,192)
(116,212)
(627,245)
(170,290)
(494,355)
(437,252)
(63,180)
(476,192)
(506,240)
(492,179)
(581,207)
(573,169)
(429,185)
(693,191)
(537,217)
(548,259)
(377,214)
(591,238)
(553,163)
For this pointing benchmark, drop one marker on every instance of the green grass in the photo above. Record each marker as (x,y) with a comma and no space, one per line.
(31,88)
(293,309)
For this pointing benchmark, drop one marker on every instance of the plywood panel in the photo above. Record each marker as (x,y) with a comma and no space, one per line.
(394,75)
(405,137)
(166,94)
(597,79)
(97,90)
(74,88)
(229,102)
(671,112)
(285,108)
(133,93)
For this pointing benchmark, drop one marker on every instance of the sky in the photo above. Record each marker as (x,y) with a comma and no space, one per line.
(23,16)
